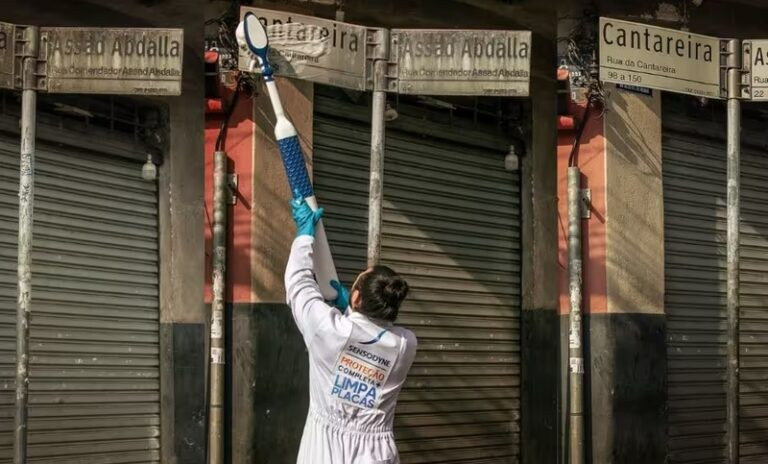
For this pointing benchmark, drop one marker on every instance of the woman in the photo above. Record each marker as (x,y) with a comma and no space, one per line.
(358,359)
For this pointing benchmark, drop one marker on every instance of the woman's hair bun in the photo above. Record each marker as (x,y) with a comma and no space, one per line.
(395,290)
(383,291)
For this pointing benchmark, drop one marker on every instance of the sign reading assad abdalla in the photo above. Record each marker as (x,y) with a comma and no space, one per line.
(113,60)
(462,62)
(659,58)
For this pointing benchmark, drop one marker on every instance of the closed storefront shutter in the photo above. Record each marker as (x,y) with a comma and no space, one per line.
(694,161)
(94,331)
(451,226)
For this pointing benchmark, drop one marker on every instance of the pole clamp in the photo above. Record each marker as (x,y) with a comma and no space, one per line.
(31,58)
(746,75)
(734,75)
(382,74)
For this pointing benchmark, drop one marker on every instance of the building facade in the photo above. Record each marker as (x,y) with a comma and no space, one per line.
(117,328)
(474,215)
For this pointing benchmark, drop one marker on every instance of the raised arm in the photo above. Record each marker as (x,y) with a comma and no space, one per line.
(303,295)
(302,292)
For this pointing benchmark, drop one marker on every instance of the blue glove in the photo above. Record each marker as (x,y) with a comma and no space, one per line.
(304,217)
(342,296)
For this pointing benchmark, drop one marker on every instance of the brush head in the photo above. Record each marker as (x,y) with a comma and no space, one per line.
(252,37)
(255,34)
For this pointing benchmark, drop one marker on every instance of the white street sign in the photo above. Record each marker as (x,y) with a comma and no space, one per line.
(659,58)
(755,53)
(113,60)
(462,62)
(343,65)
(7,55)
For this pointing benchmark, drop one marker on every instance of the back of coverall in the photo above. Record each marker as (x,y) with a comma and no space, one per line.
(357,367)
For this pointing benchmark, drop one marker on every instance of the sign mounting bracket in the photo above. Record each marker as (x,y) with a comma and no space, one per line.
(22,40)
(731,57)
(378,49)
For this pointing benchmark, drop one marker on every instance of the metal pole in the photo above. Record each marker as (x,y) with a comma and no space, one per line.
(575,350)
(732,272)
(378,131)
(26,203)
(216,367)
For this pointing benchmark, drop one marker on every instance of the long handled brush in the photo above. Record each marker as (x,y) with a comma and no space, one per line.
(253,37)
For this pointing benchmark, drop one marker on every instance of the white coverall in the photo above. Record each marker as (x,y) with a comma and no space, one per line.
(356,370)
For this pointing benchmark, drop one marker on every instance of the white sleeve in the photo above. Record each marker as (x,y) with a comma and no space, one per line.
(302,292)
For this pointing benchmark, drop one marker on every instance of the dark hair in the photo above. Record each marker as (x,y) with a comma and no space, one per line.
(382,291)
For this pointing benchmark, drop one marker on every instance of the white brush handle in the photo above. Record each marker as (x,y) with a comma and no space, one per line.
(298,178)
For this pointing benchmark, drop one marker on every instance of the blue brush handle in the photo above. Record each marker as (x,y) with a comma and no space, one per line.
(295,169)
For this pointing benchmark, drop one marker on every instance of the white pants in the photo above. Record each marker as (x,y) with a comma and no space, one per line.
(326,442)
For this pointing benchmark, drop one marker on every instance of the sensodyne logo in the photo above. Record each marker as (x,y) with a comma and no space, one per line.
(359,375)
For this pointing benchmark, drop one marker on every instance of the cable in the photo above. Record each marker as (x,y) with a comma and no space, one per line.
(579,133)
(221,140)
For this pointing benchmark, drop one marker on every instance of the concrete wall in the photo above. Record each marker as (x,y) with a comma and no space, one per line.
(629,343)
(539,267)
(635,202)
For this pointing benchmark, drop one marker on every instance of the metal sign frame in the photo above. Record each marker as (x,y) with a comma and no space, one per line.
(654,58)
(127,61)
(493,58)
(752,50)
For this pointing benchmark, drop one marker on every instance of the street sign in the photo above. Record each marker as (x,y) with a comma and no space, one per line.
(659,58)
(755,53)
(457,62)
(343,65)
(7,54)
(113,60)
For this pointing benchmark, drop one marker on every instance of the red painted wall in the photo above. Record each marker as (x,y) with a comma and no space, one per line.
(239,148)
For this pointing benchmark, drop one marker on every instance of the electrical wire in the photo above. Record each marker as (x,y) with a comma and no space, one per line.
(581,55)
(579,133)
(221,139)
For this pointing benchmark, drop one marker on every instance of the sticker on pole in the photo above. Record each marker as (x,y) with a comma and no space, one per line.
(455,62)
(7,55)
(659,58)
(114,61)
(313,49)
(755,54)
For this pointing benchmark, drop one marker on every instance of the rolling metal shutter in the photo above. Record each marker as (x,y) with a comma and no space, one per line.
(451,226)
(695,243)
(94,330)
